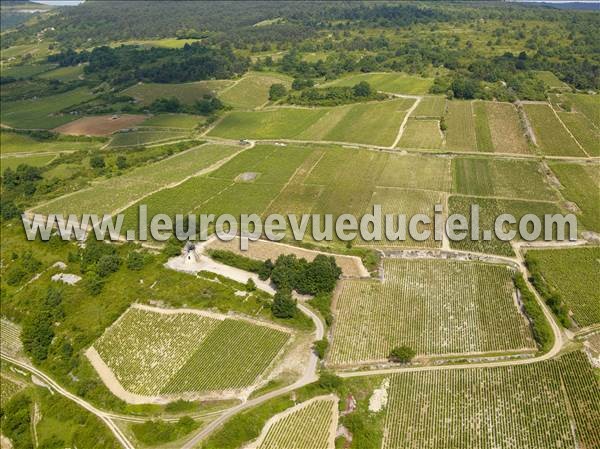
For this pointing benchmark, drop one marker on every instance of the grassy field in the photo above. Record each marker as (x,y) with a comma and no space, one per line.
(489,210)
(430,107)
(507,133)
(581,184)
(424,134)
(433,306)
(187,93)
(143,137)
(153,353)
(160,43)
(550,80)
(588,105)
(583,130)
(568,273)
(115,193)
(503,178)
(368,123)
(26,71)
(542,405)
(460,135)
(551,136)
(43,112)
(184,121)
(35,161)
(482,128)
(307,425)
(11,142)
(252,91)
(395,82)
(64,74)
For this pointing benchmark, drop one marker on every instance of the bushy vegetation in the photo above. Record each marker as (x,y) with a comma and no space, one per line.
(334,96)
(236,260)
(154,433)
(541,329)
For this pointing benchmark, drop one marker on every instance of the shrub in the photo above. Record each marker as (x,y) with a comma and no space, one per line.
(284,306)
(135,261)
(264,272)
(320,348)
(236,260)
(329,381)
(108,264)
(402,354)
(277,91)
(250,285)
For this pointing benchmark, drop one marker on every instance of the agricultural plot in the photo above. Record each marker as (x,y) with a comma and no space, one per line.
(502,178)
(8,388)
(374,123)
(581,184)
(118,192)
(410,203)
(394,82)
(13,162)
(460,135)
(43,112)
(434,306)
(416,172)
(550,80)
(100,125)
(569,272)
(430,107)
(26,71)
(551,135)
(252,91)
(10,338)
(507,133)
(489,210)
(187,93)
(64,74)
(309,425)
(176,121)
(588,105)
(154,352)
(143,137)
(20,143)
(482,128)
(421,134)
(551,404)
(583,130)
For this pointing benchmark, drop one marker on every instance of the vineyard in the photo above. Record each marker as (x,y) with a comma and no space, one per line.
(154,352)
(552,404)
(10,338)
(433,306)
(310,425)
(568,273)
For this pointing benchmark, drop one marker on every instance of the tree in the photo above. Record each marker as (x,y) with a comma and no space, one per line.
(122,162)
(402,354)
(362,89)
(284,306)
(97,162)
(264,272)
(320,348)
(319,276)
(108,264)
(8,209)
(135,261)
(277,91)
(93,283)
(166,105)
(250,285)
(329,381)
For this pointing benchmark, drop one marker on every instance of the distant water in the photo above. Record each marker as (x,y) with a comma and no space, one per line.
(59,2)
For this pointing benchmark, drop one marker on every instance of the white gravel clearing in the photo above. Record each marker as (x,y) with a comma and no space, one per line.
(379,398)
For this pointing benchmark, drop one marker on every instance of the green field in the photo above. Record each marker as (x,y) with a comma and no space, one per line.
(185,121)
(550,80)
(396,83)
(154,353)
(588,105)
(581,184)
(368,123)
(434,306)
(489,210)
(424,134)
(460,135)
(117,192)
(482,128)
(430,107)
(583,130)
(502,178)
(187,93)
(568,272)
(252,91)
(551,136)
(64,74)
(11,142)
(34,161)
(307,425)
(26,71)
(143,137)
(43,112)
(541,405)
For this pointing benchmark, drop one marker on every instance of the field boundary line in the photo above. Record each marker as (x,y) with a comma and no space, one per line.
(569,132)
(408,113)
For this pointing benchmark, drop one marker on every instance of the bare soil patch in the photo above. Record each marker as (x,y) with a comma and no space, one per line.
(100,125)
